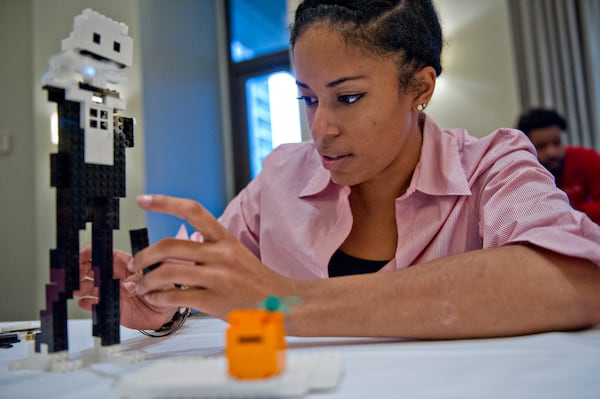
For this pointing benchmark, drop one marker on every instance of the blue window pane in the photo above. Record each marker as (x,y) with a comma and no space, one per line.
(273,115)
(258,27)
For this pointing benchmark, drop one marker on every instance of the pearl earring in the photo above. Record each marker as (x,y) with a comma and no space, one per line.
(421,107)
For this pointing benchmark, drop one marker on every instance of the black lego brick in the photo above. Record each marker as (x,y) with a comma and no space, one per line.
(139,240)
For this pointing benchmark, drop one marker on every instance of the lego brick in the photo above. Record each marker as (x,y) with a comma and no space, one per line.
(139,240)
(7,339)
(202,377)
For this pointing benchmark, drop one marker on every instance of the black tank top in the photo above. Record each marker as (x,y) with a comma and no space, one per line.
(342,264)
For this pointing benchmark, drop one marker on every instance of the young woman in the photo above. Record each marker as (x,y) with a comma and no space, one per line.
(431,233)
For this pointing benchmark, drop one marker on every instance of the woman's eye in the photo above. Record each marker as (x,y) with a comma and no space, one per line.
(350,98)
(308,100)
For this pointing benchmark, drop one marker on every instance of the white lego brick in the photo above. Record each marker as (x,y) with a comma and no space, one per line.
(100,35)
(97,122)
(56,362)
(111,354)
(99,147)
(70,68)
(196,377)
(115,103)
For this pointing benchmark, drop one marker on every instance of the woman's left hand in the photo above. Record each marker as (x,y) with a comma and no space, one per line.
(218,275)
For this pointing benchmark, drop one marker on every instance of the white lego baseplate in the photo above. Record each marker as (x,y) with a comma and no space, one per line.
(196,377)
(60,361)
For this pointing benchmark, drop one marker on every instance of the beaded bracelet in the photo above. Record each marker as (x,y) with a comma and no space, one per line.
(171,326)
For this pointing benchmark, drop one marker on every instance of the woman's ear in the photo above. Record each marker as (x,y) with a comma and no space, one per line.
(425,79)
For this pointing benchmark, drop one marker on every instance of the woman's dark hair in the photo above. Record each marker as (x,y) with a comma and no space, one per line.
(407,28)
(539,118)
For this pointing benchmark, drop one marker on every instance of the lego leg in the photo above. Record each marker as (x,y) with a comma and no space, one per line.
(49,352)
(64,276)
(106,314)
(53,319)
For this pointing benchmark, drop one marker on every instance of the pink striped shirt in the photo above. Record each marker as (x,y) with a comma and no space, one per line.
(465,194)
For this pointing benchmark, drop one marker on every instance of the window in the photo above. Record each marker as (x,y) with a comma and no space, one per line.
(264,109)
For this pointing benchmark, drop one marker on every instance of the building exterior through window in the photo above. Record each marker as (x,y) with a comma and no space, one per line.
(265,110)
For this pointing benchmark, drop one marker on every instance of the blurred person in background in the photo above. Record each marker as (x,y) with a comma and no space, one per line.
(576,169)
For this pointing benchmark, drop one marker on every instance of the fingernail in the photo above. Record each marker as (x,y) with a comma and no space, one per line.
(131,265)
(130,287)
(144,199)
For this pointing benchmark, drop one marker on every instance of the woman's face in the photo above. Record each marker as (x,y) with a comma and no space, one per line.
(365,128)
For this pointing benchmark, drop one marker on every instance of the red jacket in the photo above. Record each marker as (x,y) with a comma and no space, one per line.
(581,180)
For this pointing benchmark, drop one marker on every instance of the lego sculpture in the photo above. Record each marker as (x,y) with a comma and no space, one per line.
(88,172)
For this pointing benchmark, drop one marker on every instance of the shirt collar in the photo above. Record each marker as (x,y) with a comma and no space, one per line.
(439,171)
(318,183)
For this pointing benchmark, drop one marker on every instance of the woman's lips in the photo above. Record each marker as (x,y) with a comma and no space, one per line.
(332,161)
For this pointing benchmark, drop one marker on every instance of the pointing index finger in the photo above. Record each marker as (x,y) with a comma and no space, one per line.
(186,209)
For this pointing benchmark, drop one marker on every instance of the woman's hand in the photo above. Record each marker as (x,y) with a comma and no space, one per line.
(135,311)
(218,274)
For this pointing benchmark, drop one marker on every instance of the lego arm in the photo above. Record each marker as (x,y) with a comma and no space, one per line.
(69,68)
(504,291)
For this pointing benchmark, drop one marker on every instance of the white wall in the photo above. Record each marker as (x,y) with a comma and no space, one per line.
(477,89)
(17,193)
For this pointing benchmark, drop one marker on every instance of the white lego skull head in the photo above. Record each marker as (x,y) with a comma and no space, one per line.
(100,37)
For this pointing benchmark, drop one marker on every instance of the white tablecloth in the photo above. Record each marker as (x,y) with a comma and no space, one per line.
(552,365)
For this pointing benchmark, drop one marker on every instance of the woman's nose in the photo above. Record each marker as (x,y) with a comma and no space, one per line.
(323,123)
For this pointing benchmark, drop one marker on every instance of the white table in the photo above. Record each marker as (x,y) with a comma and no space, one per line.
(553,365)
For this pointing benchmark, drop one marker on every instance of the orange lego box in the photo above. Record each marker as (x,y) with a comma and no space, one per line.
(255,344)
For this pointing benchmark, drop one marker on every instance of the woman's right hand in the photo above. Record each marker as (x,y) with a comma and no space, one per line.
(136,313)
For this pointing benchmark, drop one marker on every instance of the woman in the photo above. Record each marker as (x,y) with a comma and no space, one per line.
(433,234)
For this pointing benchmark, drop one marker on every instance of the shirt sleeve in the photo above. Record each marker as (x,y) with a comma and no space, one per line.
(519,202)
(592,168)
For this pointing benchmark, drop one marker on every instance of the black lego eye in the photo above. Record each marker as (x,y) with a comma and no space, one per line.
(117,47)
(96,38)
